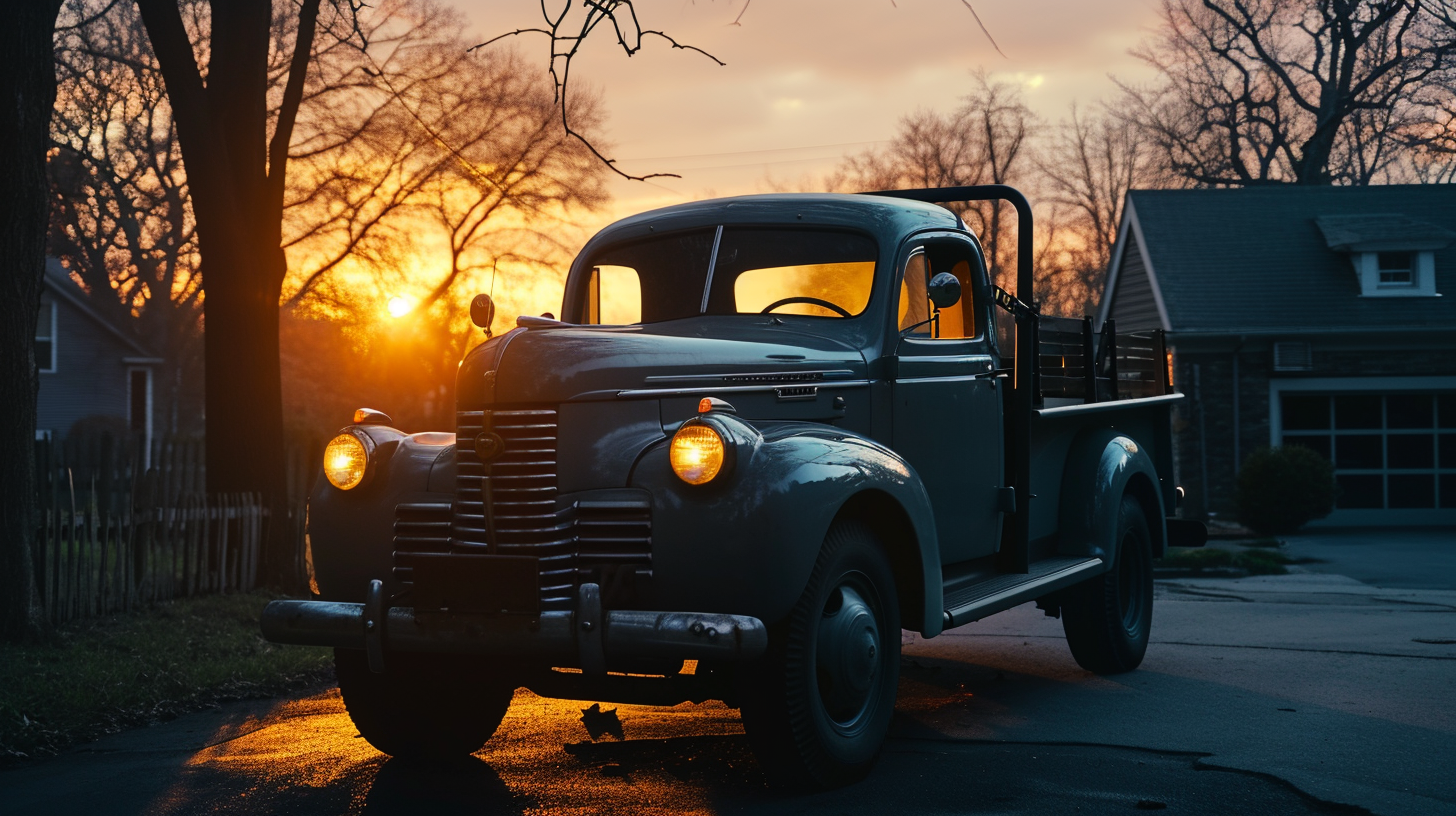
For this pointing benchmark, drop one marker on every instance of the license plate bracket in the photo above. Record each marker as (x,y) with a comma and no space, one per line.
(497,584)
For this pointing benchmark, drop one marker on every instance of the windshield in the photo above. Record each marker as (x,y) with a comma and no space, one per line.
(732,270)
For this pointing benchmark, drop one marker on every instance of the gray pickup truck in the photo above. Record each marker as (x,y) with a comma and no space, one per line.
(767,433)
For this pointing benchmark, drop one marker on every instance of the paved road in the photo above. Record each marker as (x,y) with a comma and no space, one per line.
(1294,694)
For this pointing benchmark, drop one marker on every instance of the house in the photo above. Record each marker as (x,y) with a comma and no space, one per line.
(1314,316)
(90,370)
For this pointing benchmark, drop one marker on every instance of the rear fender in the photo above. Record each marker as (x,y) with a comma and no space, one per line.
(746,542)
(1101,467)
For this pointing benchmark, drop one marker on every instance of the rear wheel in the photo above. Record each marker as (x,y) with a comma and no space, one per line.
(818,707)
(1109,618)
(425,707)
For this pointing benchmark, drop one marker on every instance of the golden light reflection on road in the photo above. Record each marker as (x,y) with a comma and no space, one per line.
(306,756)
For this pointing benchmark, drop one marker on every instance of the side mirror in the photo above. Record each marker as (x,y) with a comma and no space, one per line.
(482,311)
(944,290)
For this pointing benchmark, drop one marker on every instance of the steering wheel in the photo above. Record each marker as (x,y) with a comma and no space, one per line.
(813,301)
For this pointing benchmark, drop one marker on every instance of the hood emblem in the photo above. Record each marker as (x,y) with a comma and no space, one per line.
(489,445)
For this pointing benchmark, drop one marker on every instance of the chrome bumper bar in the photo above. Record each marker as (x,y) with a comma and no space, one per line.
(586,638)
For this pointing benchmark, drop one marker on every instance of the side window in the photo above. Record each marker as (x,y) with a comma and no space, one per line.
(959,322)
(914,302)
(614,296)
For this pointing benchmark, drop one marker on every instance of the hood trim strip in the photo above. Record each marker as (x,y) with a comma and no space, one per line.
(726,389)
(778,377)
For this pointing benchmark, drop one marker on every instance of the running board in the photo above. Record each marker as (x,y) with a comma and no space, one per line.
(1001,592)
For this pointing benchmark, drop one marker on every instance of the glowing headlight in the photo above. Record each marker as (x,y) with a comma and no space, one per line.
(697,454)
(345,460)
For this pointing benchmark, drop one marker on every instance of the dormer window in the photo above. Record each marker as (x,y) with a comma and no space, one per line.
(1395,268)
(1392,255)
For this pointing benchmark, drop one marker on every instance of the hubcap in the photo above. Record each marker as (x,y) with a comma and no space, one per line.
(847,655)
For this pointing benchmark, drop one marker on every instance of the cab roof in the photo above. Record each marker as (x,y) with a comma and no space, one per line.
(886,219)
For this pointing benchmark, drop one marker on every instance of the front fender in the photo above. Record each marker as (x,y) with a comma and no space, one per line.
(1101,467)
(351,532)
(747,542)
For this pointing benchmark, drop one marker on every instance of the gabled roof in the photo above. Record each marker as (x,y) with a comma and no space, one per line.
(58,282)
(1277,259)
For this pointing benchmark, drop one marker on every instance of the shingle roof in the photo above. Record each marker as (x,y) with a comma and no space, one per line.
(1386,230)
(1257,259)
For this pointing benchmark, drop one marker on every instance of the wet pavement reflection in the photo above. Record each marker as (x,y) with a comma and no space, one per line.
(997,722)
(305,757)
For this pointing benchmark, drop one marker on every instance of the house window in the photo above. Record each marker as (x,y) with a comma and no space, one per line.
(1397,273)
(45,338)
(1395,268)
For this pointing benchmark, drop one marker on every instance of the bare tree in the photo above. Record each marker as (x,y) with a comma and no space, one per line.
(1306,92)
(1088,164)
(120,217)
(28,89)
(567,32)
(986,140)
(439,145)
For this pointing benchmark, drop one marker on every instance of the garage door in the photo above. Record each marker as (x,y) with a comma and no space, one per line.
(1390,451)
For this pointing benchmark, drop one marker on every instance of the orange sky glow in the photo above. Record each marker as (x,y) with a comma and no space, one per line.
(805,85)
(808,83)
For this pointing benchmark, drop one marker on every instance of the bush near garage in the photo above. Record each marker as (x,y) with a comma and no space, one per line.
(1281,489)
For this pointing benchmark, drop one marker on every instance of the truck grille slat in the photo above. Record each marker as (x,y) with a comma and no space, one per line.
(509,506)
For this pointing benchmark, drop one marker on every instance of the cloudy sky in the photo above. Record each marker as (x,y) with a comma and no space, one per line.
(807,82)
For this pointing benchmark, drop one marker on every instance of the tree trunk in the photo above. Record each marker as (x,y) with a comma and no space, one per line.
(28,92)
(222,126)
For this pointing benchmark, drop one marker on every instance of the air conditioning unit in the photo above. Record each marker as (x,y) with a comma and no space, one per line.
(1293,357)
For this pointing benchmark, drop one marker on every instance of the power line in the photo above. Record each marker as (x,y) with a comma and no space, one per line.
(752,152)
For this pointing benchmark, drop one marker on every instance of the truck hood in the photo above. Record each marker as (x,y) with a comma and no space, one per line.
(575,363)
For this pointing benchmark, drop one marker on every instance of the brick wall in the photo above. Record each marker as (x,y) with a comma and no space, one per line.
(1204,424)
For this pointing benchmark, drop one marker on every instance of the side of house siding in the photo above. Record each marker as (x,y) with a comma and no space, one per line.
(90,378)
(1133,305)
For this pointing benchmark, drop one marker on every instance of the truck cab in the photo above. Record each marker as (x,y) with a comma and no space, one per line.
(766,434)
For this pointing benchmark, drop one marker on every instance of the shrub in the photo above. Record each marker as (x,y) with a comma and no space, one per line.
(1280,489)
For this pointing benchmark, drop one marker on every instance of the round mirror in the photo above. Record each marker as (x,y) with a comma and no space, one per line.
(944,290)
(482,311)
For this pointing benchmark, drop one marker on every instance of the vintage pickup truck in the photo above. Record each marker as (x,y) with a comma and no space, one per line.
(767,433)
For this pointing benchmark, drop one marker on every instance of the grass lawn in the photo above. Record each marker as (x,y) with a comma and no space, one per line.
(1259,561)
(107,674)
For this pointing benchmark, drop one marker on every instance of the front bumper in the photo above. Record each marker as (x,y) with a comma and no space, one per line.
(587,638)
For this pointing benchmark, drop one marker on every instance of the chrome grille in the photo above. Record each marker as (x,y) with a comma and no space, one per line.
(419,527)
(615,533)
(614,548)
(509,507)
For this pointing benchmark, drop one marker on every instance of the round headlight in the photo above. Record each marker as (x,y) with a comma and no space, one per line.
(345,460)
(697,454)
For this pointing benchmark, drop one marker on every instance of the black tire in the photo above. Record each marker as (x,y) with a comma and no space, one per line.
(818,706)
(425,707)
(1109,618)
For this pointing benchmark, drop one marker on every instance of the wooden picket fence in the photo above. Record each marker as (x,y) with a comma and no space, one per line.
(116,534)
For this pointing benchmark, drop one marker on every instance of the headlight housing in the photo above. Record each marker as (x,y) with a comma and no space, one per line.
(346,461)
(698,453)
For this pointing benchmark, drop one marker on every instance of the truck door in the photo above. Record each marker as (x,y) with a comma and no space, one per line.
(946,403)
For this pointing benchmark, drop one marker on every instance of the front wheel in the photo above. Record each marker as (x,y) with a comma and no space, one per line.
(1109,618)
(425,707)
(817,707)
